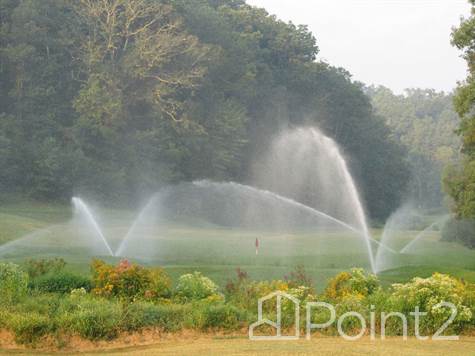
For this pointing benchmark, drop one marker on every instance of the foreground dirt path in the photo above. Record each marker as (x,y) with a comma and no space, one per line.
(317,346)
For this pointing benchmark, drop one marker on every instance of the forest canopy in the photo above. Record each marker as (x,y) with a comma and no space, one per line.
(424,121)
(116,98)
(460,179)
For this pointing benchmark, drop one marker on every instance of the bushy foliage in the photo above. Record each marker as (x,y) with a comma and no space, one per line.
(352,303)
(168,317)
(195,286)
(91,318)
(354,283)
(223,316)
(245,292)
(469,299)
(41,303)
(30,327)
(197,305)
(13,282)
(63,282)
(427,293)
(140,315)
(160,284)
(31,319)
(129,281)
(79,292)
(37,268)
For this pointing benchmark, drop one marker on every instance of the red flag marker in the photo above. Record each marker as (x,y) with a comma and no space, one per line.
(257,246)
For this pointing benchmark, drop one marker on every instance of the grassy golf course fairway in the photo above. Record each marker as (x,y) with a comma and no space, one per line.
(217,251)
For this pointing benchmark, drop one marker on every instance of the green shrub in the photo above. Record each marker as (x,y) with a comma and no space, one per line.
(245,293)
(4,318)
(30,327)
(426,293)
(352,303)
(36,268)
(44,304)
(223,316)
(169,317)
(354,282)
(141,315)
(160,284)
(91,318)
(63,282)
(129,281)
(13,283)
(469,296)
(195,286)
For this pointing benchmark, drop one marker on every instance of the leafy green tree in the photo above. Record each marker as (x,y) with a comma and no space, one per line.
(119,97)
(37,88)
(140,69)
(269,67)
(460,182)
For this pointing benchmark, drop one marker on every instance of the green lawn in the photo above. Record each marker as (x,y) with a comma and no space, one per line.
(207,345)
(217,251)
(317,346)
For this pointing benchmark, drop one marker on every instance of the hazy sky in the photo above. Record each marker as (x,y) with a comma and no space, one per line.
(396,43)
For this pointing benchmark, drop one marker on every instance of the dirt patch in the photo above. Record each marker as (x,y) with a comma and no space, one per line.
(73,343)
(7,341)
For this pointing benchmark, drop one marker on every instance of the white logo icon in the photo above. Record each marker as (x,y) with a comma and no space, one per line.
(278,323)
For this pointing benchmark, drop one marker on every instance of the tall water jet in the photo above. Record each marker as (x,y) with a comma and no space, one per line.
(252,194)
(27,244)
(84,214)
(80,236)
(307,166)
(136,242)
(437,224)
(402,220)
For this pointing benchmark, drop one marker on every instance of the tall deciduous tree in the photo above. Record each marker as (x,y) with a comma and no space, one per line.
(460,181)
(140,69)
(112,96)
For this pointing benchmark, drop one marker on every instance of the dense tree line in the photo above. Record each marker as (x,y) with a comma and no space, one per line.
(460,178)
(424,122)
(117,97)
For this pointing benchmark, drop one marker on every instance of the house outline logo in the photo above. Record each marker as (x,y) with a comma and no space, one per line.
(278,323)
